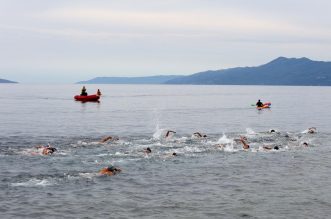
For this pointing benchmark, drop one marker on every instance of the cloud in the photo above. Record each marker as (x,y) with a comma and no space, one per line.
(226,23)
(208,20)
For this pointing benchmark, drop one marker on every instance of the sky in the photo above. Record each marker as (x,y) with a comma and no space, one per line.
(45,41)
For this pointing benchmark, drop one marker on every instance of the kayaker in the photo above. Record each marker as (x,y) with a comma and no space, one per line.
(84,93)
(109,171)
(259,104)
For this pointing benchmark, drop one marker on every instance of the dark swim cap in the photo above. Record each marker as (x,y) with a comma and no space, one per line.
(52,149)
(111,168)
(276,148)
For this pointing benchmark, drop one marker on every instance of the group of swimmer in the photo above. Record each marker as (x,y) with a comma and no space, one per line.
(84,93)
(111,170)
(243,140)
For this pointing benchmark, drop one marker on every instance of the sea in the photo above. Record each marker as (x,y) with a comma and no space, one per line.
(211,177)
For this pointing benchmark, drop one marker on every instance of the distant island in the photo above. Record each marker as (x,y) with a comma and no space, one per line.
(6,81)
(281,71)
(131,80)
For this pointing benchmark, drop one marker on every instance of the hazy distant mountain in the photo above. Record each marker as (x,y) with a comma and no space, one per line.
(281,71)
(6,81)
(131,80)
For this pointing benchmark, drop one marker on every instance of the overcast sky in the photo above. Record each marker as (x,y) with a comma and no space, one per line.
(68,41)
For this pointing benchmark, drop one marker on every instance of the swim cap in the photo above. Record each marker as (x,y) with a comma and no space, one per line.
(111,168)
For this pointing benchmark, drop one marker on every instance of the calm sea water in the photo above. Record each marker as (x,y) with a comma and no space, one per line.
(204,180)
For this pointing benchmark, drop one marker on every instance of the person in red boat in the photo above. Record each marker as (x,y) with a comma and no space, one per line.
(83,93)
(99,92)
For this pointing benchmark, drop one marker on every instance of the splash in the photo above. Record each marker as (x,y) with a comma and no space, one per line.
(224,140)
(33,183)
(158,132)
(250,131)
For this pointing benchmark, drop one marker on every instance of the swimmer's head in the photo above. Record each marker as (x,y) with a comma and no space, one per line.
(148,150)
(51,149)
(305,144)
(174,154)
(276,148)
(111,168)
(272,131)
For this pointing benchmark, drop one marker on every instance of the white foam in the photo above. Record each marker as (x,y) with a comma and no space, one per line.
(102,155)
(33,182)
(87,175)
(230,148)
(224,140)
(250,131)
(193,149)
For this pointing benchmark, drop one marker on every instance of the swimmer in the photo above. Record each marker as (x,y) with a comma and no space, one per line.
(288,137)
(109,138)
(239,139)
(312,130)
(147,151)
(243,141)
(174,154)
(168,133)
(222,146)
(270,148)
(305,144)
(46,150)
(272,131)
(199,135)
(109,171)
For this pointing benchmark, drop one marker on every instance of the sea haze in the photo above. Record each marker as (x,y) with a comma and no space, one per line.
(212,177)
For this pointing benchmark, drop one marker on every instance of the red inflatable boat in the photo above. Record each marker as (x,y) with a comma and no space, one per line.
(93,97)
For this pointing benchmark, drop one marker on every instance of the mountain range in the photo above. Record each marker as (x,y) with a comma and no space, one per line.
(131,80)
(281,71)
(6,81)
